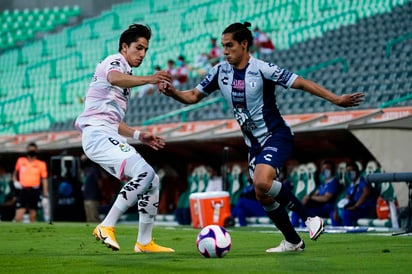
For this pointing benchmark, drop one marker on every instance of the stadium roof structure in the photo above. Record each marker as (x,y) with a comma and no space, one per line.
(326,129)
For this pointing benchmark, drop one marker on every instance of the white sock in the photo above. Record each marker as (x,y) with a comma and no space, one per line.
(146,221)
(113,216)
(129,193)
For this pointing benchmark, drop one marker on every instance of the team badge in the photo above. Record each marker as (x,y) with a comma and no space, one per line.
(124,147)
(252,84)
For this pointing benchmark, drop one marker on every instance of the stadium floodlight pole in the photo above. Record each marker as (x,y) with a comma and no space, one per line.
(396,177)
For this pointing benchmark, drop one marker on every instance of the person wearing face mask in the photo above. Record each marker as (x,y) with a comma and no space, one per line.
(359,201)
(30,178)
(182,72)
(322,201)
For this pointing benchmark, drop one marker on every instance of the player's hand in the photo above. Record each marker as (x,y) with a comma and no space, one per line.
(163,86)
(153,141)
(351,207)
(17,185)
(161,77)
(167,89)
(351,100)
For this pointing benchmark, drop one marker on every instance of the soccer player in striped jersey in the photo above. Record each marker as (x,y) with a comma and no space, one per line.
(248,84)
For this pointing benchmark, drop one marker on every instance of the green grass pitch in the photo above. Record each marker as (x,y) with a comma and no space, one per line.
(70,248)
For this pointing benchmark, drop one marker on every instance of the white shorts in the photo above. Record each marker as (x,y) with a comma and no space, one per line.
(106,147)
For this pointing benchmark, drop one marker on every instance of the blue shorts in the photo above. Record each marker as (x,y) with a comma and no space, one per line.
(275,152)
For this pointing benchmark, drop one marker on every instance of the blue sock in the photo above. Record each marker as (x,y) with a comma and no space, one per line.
(280,218)
(286,198)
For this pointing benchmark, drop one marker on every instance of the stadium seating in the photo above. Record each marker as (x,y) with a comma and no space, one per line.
(19,26)
(374,55)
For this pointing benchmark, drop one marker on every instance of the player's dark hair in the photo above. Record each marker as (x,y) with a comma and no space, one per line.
(329,163)
(31,144)
(354,166)
(134,32)
(240,33)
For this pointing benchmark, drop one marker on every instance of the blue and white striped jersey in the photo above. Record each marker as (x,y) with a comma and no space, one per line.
(251,94)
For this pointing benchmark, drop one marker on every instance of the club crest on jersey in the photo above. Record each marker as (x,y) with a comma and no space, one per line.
(124,147)
(253,84)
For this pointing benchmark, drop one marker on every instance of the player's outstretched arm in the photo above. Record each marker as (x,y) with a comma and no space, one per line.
(147,138)
(345,100)
(123,80)
(190,96)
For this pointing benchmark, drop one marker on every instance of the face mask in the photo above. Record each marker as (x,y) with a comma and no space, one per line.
(179,63)
(351,176)
(32,153)
(326,173)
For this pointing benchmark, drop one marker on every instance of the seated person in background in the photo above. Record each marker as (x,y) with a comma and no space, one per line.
(182,72)
(247,206)
(216,52)
(215,180)
(322,201)
(262,42)
(202,64)
(359,202)
(7,195)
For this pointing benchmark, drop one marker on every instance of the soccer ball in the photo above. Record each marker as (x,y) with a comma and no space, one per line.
(213,241)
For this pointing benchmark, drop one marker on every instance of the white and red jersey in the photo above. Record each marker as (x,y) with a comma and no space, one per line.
(265,42)
(105,104)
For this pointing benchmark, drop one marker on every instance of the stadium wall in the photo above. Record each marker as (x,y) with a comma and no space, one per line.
(390,146)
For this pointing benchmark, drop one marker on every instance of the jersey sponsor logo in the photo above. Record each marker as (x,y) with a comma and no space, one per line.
(239,97)
(284,77)
(253,73)
(275,149)
(115,63)
(277,73)
(205,82)
(268,157)
(225,80)
(126,92)
(238,84)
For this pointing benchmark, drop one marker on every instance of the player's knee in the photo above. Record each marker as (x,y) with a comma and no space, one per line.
(135,165)
(261,187)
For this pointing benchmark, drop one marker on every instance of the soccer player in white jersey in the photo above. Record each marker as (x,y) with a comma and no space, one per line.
(104,137)
(248,85)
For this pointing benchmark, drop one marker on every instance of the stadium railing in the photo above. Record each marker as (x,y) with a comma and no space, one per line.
(395,41)
(12,101)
